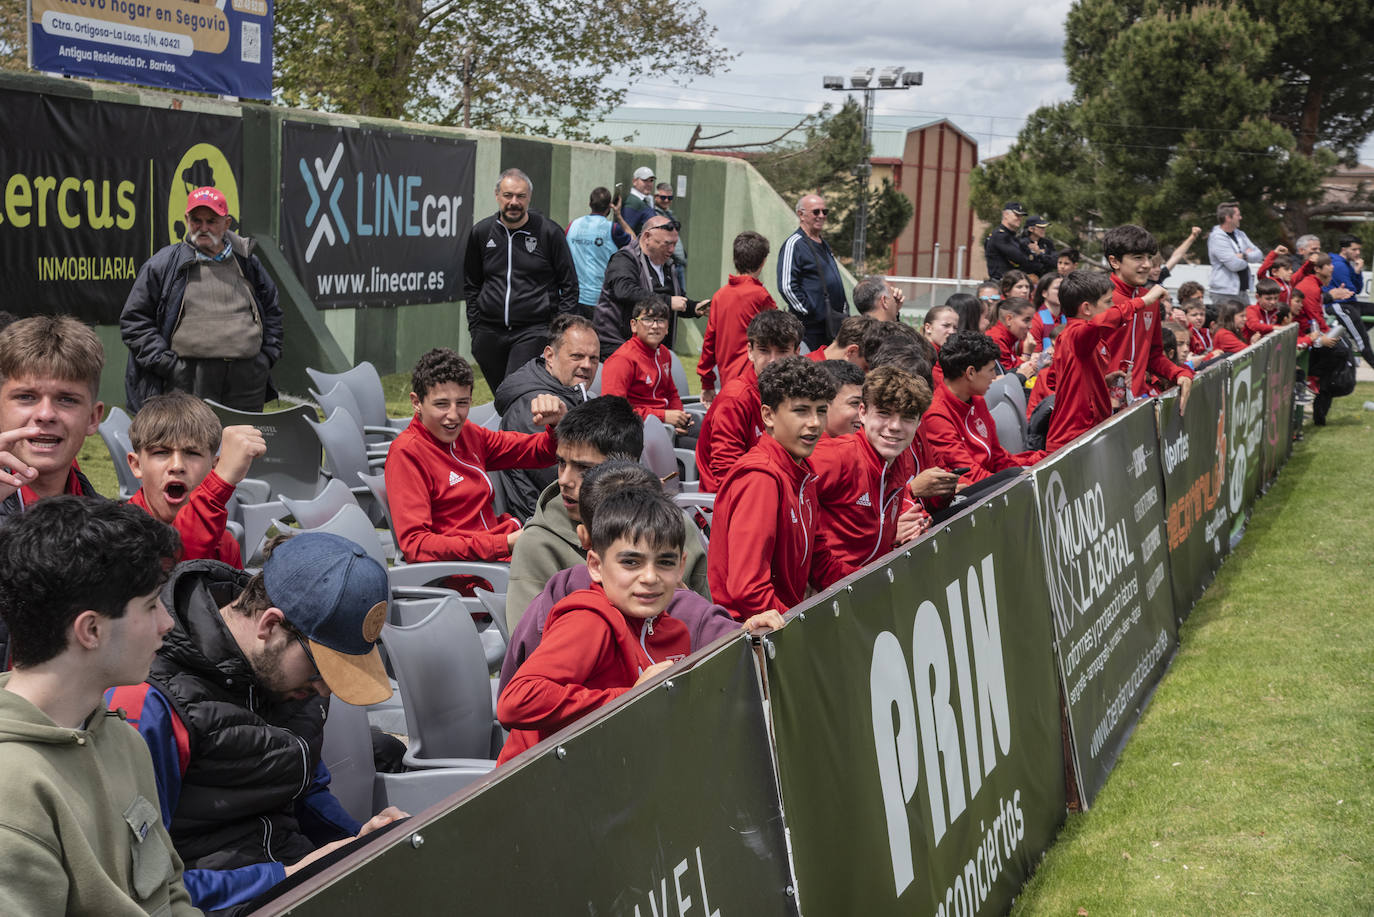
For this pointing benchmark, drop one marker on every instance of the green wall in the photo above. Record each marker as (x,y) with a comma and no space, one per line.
(724,196)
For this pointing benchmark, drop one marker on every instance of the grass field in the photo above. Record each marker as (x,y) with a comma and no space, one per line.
(1248,787)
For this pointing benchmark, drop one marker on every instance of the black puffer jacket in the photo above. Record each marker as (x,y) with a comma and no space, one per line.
(523,485)
(250,759)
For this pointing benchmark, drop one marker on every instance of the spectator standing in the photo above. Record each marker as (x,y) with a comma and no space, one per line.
(566,369)
(639,203)
(1002,249)
(592,239)
(724,346)
(663,206)
(809,276)
(518,273)
(1041,256)
(203,315)
(636,274)
(1230,252)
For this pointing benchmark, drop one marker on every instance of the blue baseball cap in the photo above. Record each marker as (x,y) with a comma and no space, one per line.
(330,590)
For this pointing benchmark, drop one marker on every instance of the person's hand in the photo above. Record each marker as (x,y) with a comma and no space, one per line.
(1195,232)
(1340,294)
(1185,388)
(382,819)
(1254,338)
(1026,369)
(897,295)
(1178,315)
(708,395)
(18,474)
(650,672)
(1280,249)
(704,308)
(512,538)
(238,446)
(678,420)
(547,410)
(1154,294)
(1358,265)
(679,303)
(765,621)
(913,523)
(933,482)
(318,854)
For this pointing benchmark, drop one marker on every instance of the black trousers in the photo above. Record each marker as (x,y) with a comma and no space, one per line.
(237,384)
(500,351)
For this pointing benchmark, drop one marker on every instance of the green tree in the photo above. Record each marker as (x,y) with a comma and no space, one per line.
(14,24)
(482,63)
(1179,105)
(826,163)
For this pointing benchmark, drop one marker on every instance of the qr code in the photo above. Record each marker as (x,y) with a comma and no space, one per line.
(250,41)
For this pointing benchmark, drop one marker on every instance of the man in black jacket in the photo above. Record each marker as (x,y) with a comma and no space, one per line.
(203,316)
(1002,249)
(643,271)
(567,369)
(518,273)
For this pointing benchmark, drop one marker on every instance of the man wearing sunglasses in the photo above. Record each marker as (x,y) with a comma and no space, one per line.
(234,708)
(636,273)
(663,206)
(809,277)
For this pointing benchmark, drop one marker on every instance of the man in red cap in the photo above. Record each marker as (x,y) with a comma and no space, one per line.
(203,315)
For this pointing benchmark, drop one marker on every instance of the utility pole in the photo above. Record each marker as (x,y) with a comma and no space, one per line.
(862,81)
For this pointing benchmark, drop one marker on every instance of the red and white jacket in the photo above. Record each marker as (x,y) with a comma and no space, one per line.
(959,434)
(860,496)
(1081,363)
(725,346)
(733,424)
(441,497)
(201,522)
(766,541)
(1137,347)
(642,377)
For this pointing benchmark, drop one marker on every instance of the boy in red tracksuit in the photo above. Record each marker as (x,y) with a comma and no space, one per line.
(732,308)
(641,369)
(175,438)
(1137,347)
(1262,316)
(766,544)
(600,642)
(1081,399)
(862,477)
(1278,267)
(734,422)
(1009,334)
(1306,301)
(436,470)
(958,430)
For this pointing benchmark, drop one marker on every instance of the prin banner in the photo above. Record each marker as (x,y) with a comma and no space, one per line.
(1101,505)
(91,190)
(219,47)
(917,724)
(1197,513)
(369,218)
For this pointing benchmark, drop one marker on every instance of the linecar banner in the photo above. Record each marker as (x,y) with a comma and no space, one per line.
(1101,511)
(213,46)
(917,725)
(1197,513)
(369,218)
(91,190)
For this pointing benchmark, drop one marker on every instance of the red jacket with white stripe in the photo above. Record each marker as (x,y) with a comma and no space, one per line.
(441,497)
(860,496)
(725,347)
(766,541)
(733,424)
(642,377)
(201,522)
(1081,363)
(958,434)
(1137,347)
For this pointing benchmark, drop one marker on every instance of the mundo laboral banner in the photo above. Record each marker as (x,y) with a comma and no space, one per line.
(1101,514)
(1278,419)
(1196,511)
(214,46)
(372,218)
(1245,432)
(916,720)
(662,804)
(92,189)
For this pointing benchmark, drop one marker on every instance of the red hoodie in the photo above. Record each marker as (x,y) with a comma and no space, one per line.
(860,496)
(1258,318)
(200,522)
(958,434)
(441,497)
(642,377)
(1228,342)
(1137,347)
(1307,292)
(1081,363)
(766,544)
(1285,287)
(732,426)
(1008,347)
(590,654)
(725,348)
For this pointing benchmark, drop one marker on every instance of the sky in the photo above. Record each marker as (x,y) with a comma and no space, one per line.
(987,64)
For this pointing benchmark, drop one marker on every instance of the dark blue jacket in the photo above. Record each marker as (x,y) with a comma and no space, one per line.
(804,279)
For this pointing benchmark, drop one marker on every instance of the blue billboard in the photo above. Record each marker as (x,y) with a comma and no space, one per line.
(218,46)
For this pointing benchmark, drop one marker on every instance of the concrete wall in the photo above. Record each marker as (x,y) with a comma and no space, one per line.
(722,197)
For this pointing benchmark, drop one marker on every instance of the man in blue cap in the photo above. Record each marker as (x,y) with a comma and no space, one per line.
(234,708)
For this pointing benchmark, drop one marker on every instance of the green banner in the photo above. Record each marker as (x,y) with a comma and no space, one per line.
(917,725)
(1278,420)
(1196,513)
(663,804)
(1102,525)
(1245,432)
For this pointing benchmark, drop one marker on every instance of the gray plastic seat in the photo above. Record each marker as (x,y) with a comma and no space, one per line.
(484,415)
(345,453)
(114,432)
(680,380)
(663,459)
(445,689)
(377,438)
(1011,426)
(699,507)
(323,506)
(367,391)
(291,465)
